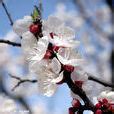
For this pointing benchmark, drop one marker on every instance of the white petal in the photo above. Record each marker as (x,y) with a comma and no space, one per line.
(58,79)
(38,67)
(64,52)
(28,41)
(64,42)
(39,50)
(73,62)
(22,25)
(66,33)
(55,65)
(52,22)
(110,96)
(45,86)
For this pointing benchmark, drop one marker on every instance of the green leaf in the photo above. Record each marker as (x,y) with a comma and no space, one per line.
(35,13)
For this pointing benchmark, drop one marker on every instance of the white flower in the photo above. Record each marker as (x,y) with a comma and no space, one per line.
(48,74)
(64,34)
(68,56)
(52,25)
(47,82)
(7,105)
(28,42)
(109,95)
(64,42)
(22,25)
(55,66)
(38,52)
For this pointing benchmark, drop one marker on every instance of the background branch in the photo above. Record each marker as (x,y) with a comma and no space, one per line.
(91,22)
(21,81)
(10,43)
(19,99)
(7,13)
(100,81)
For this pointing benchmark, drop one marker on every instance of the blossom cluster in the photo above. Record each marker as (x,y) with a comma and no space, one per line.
(50,54)
(51,49)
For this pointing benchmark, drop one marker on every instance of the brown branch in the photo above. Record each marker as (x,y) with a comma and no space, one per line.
(10,43)
(100,81)
(78,91)
(21,81)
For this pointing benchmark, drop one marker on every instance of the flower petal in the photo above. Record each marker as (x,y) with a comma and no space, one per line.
(73,62)
(45,85)
(38,52)
(22,25)
(53,21)
(64,42)
(55,65)
(58,79)
(66,32)
(28,41)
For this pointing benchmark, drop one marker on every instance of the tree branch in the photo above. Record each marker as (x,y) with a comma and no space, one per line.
(19,99)
(100,81)
(21,81)
(78,91)
(7,13)
(10,43)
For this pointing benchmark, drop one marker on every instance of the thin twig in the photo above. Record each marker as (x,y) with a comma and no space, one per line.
(21,81)
(7,13)
(40,8)
(19,99)
(10,43)
(100,81)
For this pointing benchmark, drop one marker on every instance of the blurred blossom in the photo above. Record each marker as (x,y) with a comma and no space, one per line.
(39,109)
(7,105)
(72,17)
(93,47)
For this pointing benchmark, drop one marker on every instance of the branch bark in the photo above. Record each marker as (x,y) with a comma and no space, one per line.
(78,91)
(100,81)
(21,81)
(10,43)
